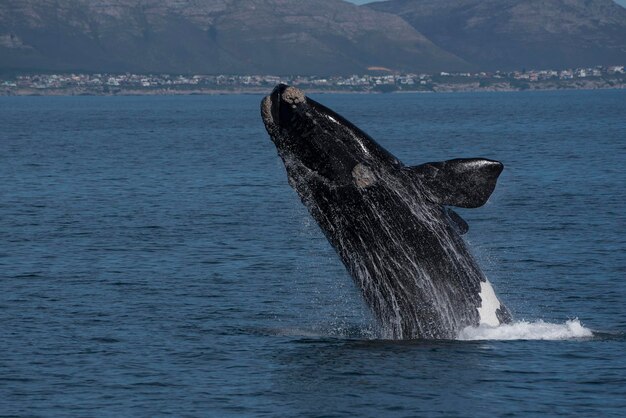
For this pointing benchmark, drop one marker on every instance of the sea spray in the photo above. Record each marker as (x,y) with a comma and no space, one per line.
(523,330)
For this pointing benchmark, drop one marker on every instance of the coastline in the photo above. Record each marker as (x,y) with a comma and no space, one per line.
(470,87)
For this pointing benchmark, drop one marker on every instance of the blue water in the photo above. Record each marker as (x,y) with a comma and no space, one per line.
(154,261)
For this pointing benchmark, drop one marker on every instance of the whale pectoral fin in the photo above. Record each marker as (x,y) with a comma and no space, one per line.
(459,223)
(466,183)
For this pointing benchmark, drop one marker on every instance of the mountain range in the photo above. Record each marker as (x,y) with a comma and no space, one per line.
(516,34)
(322,37)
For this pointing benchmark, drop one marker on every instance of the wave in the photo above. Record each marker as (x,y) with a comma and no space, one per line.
(523,330)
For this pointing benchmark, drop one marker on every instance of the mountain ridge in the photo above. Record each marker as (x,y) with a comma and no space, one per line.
(324,37)
(219,36)
(514,34)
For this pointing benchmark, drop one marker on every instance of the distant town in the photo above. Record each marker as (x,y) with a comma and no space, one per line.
(380,81)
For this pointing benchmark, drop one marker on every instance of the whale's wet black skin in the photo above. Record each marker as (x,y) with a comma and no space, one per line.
(391,224)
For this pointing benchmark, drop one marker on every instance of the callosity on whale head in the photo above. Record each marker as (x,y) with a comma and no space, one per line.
(389,223)
(320,139)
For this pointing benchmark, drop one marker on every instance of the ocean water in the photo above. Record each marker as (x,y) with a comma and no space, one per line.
(154,261)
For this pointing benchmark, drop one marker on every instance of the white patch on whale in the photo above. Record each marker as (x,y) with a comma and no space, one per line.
(489,305)
(363,176)
(332,119)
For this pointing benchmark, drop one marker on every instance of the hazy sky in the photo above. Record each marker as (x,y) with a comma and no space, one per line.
(621,2)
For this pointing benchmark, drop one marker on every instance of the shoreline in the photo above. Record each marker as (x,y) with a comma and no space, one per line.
(443,88)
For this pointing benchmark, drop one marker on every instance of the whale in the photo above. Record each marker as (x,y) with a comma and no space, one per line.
(392,225)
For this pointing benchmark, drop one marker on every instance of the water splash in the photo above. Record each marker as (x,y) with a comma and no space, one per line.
(523,330)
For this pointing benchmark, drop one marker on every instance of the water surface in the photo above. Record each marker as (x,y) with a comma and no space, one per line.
(154,261)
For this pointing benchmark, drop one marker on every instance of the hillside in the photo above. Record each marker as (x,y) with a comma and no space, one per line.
(516,34)
(211,36)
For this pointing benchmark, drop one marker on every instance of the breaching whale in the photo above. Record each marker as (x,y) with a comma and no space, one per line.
(390,224)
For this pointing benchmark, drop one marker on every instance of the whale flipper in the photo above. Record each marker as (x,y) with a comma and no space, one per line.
(463,182)
(459,223)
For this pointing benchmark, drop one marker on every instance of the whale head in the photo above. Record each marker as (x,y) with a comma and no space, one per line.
(319,139)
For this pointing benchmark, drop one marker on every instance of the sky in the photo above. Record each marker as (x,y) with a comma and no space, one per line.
(620,2)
